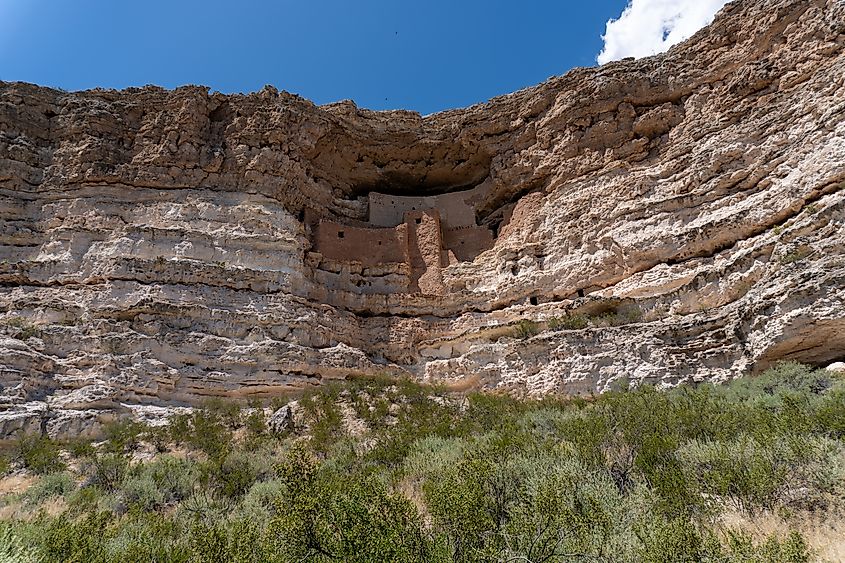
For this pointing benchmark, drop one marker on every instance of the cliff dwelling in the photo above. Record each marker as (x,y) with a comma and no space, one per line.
(411,238)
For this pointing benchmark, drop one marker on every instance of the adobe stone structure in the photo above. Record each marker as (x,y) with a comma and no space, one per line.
(419,235)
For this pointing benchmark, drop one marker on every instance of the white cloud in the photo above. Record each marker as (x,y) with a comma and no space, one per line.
(647,27)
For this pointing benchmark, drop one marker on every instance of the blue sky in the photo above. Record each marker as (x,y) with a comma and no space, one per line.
(426,55)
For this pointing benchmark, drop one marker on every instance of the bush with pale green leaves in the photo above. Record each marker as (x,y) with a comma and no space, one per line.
(633,475)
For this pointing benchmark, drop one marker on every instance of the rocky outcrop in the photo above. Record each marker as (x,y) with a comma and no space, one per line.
(674,218)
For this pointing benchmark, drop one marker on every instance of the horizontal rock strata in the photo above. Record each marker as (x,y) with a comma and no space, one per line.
(674,218)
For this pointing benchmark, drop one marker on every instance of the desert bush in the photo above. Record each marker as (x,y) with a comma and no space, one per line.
(159,483)
(88,499)
(430,455)
(586,431)
(463,512)
(785,376)
(260,501)
(753,474)
(796,255)
(158,436)
(525,329)
(143,492)
(325,416)
(563,508)
(255,424)
(664,540)
(121,436)
(39,454)
(205,507)
(50,486)
(240,541)
(420,416)
(208,433)
(225,411)
(106,469)
(619,316)
(13,549)
(568,322)
(635,474)
(240,469)
(828,416)
(23,328)
(356,520)
(791,549)
(145,537)
(65,538)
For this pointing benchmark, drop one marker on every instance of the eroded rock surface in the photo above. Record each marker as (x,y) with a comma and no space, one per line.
(674,218)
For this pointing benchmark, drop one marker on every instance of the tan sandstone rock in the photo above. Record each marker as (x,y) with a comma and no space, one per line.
(674,218)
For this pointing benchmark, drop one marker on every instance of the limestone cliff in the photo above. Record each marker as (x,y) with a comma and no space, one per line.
(668,219)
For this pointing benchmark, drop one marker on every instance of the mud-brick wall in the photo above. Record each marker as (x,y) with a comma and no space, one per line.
(425,252)
(467,242)
(370,247)
(456,209)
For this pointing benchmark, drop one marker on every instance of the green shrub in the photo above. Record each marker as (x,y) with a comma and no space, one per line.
(39,454)
(256,426)
(568,322)
(828,416)
(622,315)
(563,507)
(791,549)
(463,512)
(143,492)
(75,539)
(158,436)
(160,483)
(24,329)
(205,506)
(240,541)
(325,417)
(174,479)
(525,329)
(783,377)
(50,486)
(208,434)
(146,537)
(240,469)
(354,520)
(430,455)
(261,502)
(678,539)
(80,448)
(635,474)
(106,469)
(225,411)
(421,414)
(13,549)
(795,256)
(121,436)
(754,474)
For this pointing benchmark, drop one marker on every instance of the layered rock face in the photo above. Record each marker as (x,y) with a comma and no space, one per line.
(675,218)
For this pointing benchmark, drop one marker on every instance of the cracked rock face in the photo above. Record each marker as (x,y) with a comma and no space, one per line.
(675,218)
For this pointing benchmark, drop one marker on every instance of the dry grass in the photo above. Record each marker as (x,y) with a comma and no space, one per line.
(824,535)
(469,383)
(13,507)
(16,484)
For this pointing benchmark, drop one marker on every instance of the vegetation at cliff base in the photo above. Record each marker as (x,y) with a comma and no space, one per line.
(378,470)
